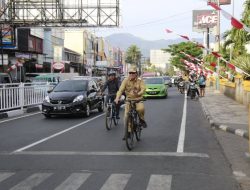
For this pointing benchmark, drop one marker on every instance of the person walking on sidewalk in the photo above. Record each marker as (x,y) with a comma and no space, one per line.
(202,83)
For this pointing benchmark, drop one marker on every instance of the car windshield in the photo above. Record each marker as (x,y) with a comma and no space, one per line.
(153,81)
(71,86)
(167,78)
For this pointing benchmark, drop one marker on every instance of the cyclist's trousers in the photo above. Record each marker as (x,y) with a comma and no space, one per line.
(139,108)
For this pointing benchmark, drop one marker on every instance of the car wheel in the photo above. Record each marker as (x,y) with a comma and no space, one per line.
(47,115)
(101,107)
(87,111)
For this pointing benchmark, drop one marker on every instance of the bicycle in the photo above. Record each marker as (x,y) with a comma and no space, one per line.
(110,114)
(133,126)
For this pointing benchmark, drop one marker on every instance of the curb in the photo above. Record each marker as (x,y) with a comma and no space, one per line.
(218,126)
(4,115)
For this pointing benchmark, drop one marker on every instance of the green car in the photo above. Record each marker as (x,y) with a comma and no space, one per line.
(155,87)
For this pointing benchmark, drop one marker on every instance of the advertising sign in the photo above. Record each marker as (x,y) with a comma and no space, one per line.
(58,65)
(101,64)
(222,2)
(8,35)
(203,19)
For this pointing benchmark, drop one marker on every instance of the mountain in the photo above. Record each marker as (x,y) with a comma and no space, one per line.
(124,40)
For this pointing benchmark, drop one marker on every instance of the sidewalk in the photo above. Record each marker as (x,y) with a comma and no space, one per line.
(231,120)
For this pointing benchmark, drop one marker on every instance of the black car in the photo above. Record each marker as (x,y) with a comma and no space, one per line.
(73,97)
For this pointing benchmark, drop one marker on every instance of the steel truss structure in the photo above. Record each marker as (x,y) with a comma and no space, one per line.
(60,13)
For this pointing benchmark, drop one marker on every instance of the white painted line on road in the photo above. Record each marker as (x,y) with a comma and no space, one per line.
(74,181)
(19,117)
(57,134)
(180,147)
(5,175)
(160,182)
(32,181)
(116,182)
(91,153)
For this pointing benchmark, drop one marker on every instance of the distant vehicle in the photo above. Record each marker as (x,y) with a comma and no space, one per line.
(80,77)
(73,97)
(49,78)
(167,80)
(155,87)
(5,78)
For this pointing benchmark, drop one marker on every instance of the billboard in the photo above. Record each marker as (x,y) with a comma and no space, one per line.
(8,37)
(222,2)
(203,19)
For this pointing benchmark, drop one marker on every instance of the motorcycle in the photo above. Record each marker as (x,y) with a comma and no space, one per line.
(181,86)
(193,89)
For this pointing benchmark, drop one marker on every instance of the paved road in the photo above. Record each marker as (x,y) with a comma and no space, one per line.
(178,151)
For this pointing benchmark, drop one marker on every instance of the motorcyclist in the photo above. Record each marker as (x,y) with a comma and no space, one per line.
(134,89)
(180,79)
(113,85)
(193,78)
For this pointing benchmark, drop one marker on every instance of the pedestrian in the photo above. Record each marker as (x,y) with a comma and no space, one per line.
(202,83)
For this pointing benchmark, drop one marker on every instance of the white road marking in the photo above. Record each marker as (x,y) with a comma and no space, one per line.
(15,118)
(74,181)
(116,182)
(159,182)
(32,181)
(180,147)
(69,153)
(57,134)
(5,175)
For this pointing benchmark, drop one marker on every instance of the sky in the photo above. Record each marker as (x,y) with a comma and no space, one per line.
(148,19)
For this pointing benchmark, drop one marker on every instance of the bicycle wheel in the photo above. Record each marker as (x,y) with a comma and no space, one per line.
(108,118)
(129,134)
(137,128)
(114,117)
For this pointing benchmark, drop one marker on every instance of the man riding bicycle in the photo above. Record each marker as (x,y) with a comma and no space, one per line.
(134,89)
(113,85)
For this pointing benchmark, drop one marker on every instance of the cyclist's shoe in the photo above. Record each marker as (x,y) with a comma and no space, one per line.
(143,124)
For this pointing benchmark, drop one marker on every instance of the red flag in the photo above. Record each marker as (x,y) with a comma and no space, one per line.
(213,64)
(214,5)
(231,66)
(236,23)
(187,38)
(216,54)
(168,31)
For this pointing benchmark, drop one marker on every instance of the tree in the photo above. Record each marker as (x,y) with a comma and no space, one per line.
(238,38)
(133,55)
(187,47)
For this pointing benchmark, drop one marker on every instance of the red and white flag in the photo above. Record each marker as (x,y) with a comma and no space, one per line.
(234,22)
(168,31)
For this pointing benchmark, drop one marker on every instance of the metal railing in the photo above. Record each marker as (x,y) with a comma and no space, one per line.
(21,95)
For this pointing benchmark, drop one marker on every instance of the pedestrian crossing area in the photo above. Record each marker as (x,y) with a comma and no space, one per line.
(75,181)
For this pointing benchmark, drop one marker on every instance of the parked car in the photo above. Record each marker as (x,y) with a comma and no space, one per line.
(73,97)
(155,87)
(5,78)
(167,80)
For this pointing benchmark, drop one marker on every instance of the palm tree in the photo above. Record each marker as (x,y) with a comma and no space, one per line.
(238,38)
(133,55)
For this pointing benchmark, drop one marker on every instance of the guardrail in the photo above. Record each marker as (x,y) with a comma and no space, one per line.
(21,95)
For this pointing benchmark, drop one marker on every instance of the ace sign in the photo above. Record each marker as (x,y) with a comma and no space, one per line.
(203,19)
(221,2)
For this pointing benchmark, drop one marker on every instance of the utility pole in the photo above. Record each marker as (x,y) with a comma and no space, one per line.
(1,43)
(217,47)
